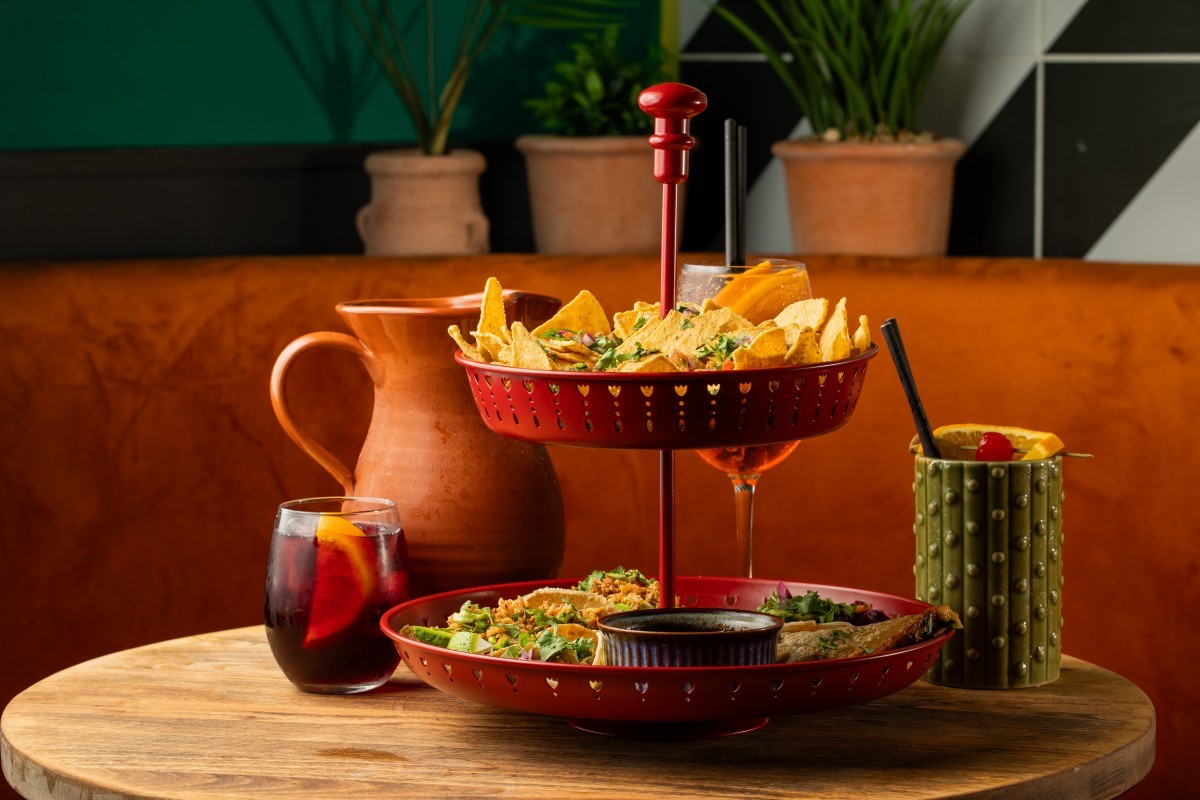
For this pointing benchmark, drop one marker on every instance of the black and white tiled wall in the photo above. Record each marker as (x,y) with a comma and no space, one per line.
(1082,120)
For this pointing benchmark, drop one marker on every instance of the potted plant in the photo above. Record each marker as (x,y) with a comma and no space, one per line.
(591,187)
(425,200)
(868,181)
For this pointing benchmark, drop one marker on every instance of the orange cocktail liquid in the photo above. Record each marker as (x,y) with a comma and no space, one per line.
(748,460)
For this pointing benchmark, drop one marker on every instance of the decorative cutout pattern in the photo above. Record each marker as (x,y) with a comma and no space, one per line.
(700,409)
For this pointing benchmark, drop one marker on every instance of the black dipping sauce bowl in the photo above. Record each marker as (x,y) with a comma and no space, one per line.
(689,637)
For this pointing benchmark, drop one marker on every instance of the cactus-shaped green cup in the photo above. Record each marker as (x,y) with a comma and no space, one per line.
(989,545)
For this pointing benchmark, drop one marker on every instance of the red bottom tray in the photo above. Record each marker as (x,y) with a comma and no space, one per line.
(650,702)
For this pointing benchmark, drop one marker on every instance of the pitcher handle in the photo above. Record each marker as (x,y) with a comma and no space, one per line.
(283,412)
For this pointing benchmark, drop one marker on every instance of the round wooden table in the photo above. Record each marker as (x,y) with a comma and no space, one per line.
(212,716)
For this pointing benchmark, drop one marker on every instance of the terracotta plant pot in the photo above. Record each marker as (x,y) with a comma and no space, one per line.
(424,205)
(593,194)
(870,198)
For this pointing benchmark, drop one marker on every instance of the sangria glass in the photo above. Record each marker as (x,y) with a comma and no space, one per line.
(758,291)
(335,565)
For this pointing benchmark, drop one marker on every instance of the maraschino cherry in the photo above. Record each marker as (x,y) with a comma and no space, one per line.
(994,446)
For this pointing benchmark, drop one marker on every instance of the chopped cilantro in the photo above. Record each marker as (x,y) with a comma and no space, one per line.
(620,574)
(722,346)
(809,606)
(610,359)
(829,642)
(641,321)
(553,647)
(603,344)
(559,335)
(683,326)
(581,366)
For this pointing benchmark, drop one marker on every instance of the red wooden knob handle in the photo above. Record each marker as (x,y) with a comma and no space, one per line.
(672,105)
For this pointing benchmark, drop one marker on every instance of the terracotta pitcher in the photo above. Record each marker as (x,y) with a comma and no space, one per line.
(477,508)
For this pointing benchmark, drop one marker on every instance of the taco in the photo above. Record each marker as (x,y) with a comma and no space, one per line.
(847,641)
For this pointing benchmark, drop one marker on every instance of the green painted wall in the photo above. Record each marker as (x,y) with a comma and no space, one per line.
(77,74)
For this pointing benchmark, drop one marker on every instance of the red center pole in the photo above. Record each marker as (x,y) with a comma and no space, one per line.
(672,105)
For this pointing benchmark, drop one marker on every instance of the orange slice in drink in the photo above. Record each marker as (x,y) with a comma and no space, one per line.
(732,291)
(343,582)
(958,441)
(772,294)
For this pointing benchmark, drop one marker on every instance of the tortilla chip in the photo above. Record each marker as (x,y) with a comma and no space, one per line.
(557,346)
(804,313)
(862,336)
(835,338)
(804,348)
(469,350)
(564,360)
(625,323)
(527,352)
(682,332)
(491,309)
(655,363)
(583,313)
(723,320)
(768,349)
(490,345)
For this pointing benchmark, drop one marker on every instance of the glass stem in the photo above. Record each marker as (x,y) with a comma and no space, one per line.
(743,507)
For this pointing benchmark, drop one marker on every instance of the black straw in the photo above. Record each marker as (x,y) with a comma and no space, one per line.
(891,334)
(735,193)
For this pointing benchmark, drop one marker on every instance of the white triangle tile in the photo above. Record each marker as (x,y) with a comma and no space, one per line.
(691,14)
(966,93)
(768,226)
(1056,16)
(996,27)
(1162,222)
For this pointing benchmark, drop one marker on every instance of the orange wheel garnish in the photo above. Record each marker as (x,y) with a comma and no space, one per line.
(959,441)
(344,580)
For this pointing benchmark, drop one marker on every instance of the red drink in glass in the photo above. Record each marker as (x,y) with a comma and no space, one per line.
(336,564)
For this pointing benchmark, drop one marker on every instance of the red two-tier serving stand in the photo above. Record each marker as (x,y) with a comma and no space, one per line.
(667,412)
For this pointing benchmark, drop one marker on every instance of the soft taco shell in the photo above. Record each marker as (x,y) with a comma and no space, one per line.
(846,642)
(581,600)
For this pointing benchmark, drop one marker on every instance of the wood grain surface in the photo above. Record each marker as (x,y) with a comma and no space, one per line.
(211,716)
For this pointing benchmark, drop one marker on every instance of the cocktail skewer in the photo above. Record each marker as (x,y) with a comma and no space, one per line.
(1018,450)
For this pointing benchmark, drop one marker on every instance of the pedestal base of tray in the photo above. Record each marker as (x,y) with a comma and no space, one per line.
(668,731)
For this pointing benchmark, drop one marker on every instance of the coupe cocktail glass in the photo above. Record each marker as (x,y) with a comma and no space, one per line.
(335,565)
(758,292)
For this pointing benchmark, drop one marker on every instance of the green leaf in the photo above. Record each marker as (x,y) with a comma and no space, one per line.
(861,66)
(595,94)
(430,108)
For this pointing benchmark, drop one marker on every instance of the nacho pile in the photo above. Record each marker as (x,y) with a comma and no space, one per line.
(708,336)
